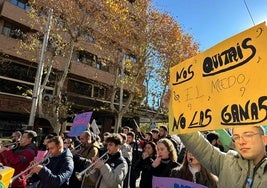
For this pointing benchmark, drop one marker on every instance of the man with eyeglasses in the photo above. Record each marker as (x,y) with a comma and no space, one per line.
(245,167)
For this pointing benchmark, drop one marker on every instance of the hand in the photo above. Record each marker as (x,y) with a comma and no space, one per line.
(94,158)
(74,152)
(33,163)
(157,161)
(99,164)
(145,155)
(36,169)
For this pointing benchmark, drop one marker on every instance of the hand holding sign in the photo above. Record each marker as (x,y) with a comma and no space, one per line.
(223,86)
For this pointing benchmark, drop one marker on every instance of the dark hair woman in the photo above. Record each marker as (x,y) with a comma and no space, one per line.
(144,164)
(192,170)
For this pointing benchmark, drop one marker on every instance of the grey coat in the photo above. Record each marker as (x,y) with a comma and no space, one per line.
(233,171)
(112,173)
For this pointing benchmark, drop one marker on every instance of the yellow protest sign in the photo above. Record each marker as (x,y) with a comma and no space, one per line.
(223,87)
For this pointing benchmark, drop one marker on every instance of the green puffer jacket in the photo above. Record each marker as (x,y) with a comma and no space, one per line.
(233,171)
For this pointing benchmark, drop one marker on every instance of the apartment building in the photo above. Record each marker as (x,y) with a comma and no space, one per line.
(87,87)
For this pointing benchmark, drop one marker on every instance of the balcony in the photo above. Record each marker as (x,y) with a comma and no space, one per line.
(15,13)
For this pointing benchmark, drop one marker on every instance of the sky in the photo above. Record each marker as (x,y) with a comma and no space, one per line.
(210,22)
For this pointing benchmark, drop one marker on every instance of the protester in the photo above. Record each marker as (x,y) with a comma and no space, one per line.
(155,135)
(148,137)
(111,173)
(245,167)
(192,170)
(20,157)
(214,139)
(68,143)
(89,150)
(136,155)
(126,151)
(16,136)
(41,155)
(58,169)
(98,141)
(144,164)
(80,163)
(164,133)
(103,149)
(166,159)
(46,139)
(126,130)
(42,145)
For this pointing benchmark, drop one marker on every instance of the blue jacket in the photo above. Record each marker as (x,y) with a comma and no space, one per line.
(57,172)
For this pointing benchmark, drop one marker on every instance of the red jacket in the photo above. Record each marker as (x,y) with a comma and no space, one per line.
(19,159)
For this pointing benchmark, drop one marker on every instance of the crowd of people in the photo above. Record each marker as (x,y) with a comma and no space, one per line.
(132,158)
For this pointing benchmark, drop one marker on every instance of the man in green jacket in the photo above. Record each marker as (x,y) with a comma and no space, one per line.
(246,167)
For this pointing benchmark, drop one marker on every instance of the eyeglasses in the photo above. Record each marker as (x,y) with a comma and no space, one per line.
(246,137)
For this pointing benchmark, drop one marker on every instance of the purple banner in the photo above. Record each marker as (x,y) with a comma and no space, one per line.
(163,182)
(80,124)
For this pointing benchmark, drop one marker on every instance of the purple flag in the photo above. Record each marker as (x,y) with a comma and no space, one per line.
(80,124)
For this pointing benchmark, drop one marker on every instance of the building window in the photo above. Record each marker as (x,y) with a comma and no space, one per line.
(16,88)
(89,38)
(80,88)
(13,31)
(17,71)
(21,4)
(87,58)
(6,29)
(24,74)
(99,92)
(16,78)
(103,64)
(93,60)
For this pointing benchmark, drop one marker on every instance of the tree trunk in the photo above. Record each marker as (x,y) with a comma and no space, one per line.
(118,120)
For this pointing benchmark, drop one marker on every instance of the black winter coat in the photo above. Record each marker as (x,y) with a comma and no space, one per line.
(164,169)
(144,165)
